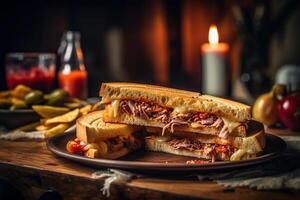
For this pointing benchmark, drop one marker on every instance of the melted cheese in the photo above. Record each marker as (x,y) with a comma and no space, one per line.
(238,155)
(109,110)
(163,138)
(115,107)
(231,125)
(181,109)
(195,125)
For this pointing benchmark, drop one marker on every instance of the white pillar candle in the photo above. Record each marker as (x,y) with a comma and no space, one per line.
(214,69)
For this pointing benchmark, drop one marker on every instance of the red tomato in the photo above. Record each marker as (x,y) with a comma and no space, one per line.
(221,149)
(74,147)
(289,111)
(204,115)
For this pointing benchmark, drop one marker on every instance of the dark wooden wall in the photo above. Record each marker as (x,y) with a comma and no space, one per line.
(160,39)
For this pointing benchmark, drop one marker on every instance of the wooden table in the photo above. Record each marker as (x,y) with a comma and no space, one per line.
(34,170)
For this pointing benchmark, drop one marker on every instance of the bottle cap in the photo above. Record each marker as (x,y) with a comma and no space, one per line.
(289,75)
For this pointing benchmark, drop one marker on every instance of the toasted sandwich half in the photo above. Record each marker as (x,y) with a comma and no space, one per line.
(97,139)
(208,147)
(173,110)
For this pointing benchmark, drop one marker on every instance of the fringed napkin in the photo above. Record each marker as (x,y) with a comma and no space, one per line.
(113,175)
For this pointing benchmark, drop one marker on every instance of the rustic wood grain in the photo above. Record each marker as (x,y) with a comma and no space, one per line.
(33,169)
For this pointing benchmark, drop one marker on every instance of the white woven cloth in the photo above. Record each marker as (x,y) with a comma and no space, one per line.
(113,175)
(16,135)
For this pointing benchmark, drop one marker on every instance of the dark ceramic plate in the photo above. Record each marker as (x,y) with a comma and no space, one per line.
(162,162)
(17,118)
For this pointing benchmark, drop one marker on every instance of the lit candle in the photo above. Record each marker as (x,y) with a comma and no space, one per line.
(214,69)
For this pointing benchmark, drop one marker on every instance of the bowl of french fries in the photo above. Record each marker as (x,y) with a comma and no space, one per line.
(54,121)
(24,105)
(58,121)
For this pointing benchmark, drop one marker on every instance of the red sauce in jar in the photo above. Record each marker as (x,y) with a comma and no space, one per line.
(74,82)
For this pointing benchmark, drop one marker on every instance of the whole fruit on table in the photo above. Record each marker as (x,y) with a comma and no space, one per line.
(289,111)
(265,106)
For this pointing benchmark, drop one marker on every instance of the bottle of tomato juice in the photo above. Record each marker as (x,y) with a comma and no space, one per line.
(72,75)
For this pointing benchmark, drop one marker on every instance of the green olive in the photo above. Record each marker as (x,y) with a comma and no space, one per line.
(59,92)
(5,103)
(56,97)
(18,106)
(34,97)
(47,96)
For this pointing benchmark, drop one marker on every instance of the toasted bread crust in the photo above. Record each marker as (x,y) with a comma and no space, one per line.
(130,119)
(91,128)
(170,97)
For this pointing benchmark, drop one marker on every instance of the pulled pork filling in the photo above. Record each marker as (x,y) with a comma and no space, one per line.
(214,151)
(146,110)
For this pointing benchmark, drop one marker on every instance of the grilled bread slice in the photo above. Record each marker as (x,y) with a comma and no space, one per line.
(175,98)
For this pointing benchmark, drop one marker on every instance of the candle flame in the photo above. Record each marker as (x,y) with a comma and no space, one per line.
(213,36)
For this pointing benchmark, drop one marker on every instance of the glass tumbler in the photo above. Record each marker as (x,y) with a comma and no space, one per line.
(35,70)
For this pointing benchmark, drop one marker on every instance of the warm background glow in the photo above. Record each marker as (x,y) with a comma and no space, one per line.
(213,36)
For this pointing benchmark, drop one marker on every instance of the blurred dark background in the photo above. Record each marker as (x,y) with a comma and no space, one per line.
(158,40)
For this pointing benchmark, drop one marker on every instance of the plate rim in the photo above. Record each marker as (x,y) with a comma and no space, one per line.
(156,166)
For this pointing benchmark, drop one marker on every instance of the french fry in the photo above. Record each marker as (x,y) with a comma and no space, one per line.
(72,105)
(74,100)
(43,127)
(98,106)
(43,121)
(65,118)
(58,129)
(85,110)
(17,104)
(21,91)
(49,111)
(16,101)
